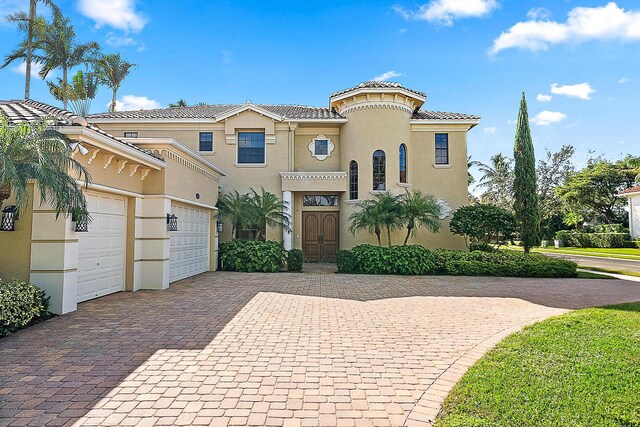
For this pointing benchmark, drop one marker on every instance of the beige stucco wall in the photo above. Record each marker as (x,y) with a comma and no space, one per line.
(15,246)
(304,159)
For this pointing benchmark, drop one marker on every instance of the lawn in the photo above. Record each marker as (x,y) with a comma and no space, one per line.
(626,253)
(578,369)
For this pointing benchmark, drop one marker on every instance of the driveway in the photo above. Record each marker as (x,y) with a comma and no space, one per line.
(274,349)
(598,262)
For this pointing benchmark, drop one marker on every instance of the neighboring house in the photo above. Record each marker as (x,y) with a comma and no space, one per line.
(371,138)
(633,195)
(127,245)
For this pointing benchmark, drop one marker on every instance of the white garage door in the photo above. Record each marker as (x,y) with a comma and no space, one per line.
(102,249)
(189,246)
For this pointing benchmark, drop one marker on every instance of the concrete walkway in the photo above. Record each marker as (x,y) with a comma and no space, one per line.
(311,349)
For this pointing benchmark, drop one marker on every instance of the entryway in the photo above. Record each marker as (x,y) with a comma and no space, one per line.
(320,236)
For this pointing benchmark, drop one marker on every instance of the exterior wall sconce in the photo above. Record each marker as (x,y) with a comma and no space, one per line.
(172,222)
(81,220)
(219,226)
(9,217)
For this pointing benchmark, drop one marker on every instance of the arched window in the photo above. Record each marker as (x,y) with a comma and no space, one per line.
(379,171)
(353,180)
(403,163)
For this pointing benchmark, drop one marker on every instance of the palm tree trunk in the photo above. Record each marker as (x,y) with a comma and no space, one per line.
(5,193)
(406,238)
(32,18)
(377,231)
(64,90)
(389,236)
(112,107)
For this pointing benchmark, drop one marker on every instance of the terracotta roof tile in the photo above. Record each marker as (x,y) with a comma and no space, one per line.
(439,115)
(635,189)
(378,85)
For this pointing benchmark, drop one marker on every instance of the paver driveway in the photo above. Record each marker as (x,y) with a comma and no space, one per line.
(281,349)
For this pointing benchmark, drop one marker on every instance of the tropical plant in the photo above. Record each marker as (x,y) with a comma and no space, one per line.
(33,27)
(179,103)
(80,93)
(266,210)
(483,224)
(573,219)
(112,70)
(234,207)
(58,49)
(471,163)
(36,152)
(385,211)
(632,163)
(525,192)
(419,210)
(497,181)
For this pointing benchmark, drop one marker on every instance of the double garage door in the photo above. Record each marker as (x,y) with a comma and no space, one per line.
(101,257)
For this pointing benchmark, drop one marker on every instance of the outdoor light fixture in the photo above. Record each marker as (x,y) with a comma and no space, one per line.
(220,226)
(81,220)
(82,148)
(172,222)
(9,217)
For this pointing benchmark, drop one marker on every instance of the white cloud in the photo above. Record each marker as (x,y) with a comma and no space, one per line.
(21,68)
(133,102)
(446,11)
(538,13)
(120,14)
(12,6)
(624,80)
(117,41)
(581,90)
(543,98)
(545,118)
(386,76)
(490,130)
(608,22)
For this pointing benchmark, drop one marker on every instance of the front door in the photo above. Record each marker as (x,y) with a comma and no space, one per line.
(320,236)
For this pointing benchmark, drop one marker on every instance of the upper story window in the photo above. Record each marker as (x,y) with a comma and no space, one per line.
(251,148)
(403,163)
(321,147)
(379,171)
(206,141)
(353,180)
(442,148)
(131,134)
(319,200)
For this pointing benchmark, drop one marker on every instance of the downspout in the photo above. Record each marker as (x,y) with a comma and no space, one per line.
(291,148)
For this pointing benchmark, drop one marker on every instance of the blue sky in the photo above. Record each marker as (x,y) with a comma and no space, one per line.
(471,56)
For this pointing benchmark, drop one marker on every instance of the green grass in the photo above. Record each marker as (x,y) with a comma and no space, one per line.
(612,270)
(578,369)
(589,275)
(623,253)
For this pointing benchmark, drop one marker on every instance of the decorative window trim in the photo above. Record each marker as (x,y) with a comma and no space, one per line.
(312,147)
(404,184)
(442,165)
(445,208)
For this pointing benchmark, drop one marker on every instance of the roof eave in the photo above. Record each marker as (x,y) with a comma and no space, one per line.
(361,90)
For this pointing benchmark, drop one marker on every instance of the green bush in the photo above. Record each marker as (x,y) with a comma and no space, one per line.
(404,260)
(484,247)
(251,256)
(632,244)
(501,263)
(610,228)
(592,240)
(295,258)
(483,224)
(20,304)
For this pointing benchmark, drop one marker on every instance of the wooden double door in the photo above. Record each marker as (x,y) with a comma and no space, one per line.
(320,236)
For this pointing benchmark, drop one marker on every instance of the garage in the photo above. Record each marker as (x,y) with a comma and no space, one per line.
(101,258)
(189,246)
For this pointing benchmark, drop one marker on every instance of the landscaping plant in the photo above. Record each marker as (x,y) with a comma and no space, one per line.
(20,304)
(483,225)
(252,256)
(295,260)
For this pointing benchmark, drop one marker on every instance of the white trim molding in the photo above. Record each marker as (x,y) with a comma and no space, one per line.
(312,147)
(313,176)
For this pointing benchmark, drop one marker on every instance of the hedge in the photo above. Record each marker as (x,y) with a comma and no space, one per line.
(417,260)
(592,240)
(251,256)
(295,259)
(20,304)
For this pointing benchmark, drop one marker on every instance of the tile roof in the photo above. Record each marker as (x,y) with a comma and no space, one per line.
(439,115)
(378,85)
(27,110)
(635,189)
(212,111)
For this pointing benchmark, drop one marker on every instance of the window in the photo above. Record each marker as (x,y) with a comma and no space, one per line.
(442,148)
(131,134)
(353,180)
(251,147)
(379,171)
(403,163)
(319,200)
(206,141)
(321,147)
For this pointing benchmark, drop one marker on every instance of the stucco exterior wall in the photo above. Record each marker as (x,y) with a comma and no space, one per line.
(634,216)
(15,246)
(304,159)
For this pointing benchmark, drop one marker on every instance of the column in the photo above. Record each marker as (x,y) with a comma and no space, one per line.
(287,237)
(151,246)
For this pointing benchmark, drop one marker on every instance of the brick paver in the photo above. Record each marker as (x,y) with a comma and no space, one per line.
(274,349)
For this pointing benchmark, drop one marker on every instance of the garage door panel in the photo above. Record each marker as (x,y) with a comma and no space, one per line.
(189,246)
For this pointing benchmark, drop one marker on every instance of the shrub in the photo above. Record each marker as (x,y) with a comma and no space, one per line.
(592,240)
(484,247)
(610,228)
(403,260)
(251,256)
(632,244)
(20,304)
(482,224)
(295,258)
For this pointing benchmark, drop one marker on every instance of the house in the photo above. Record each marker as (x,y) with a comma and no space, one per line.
(126,246)
(370,139)
(633,195)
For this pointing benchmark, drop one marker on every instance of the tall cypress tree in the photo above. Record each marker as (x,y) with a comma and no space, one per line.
(525,192)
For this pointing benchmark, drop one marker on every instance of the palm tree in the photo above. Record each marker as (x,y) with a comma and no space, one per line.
(80,93)
(470,163)
(366,219)
(33,27)
(112,70)
(383,212)
(266,210)
(497,180)
(59,49)
(633,164)
(235,207)
(35,152)
(419,210)
(179,103)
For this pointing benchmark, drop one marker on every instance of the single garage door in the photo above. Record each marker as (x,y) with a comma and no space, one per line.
(102,248)
(189,246)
